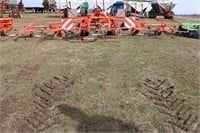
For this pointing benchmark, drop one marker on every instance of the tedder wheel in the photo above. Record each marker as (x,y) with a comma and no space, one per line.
(136,32)
(157,33)
(112,32)
(2,33)
(84,33)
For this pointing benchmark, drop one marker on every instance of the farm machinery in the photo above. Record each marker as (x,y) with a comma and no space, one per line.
(12,7)
(6,23)
(140,8)
(162,7)
(191,30)
(93,27)
(96,26)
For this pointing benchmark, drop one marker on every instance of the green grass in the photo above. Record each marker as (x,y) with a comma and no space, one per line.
(108,78)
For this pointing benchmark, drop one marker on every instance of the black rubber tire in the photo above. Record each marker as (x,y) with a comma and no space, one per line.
(84,33)
(111,33)
(197,34)
(2,34)
(157,33)
(135,33)
(194,34)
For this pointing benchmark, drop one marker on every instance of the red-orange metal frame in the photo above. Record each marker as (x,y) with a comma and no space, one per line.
(98,22)
(6,24)
(49,29)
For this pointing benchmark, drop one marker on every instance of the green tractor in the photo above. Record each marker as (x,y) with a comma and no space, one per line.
(191,30)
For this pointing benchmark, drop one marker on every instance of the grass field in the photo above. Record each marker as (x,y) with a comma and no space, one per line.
(105,82)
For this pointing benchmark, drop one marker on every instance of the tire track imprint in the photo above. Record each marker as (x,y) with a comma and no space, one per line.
(162,94)
(46,97)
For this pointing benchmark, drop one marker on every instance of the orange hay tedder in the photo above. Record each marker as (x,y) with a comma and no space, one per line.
(97,26)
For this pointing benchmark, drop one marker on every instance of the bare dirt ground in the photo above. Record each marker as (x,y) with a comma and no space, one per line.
(63,86)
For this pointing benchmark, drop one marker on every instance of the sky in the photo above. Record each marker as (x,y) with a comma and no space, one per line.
(187,7)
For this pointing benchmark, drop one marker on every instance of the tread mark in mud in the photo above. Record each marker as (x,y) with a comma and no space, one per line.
(45,96)
(163,96)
